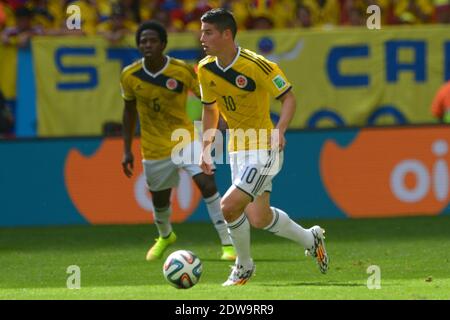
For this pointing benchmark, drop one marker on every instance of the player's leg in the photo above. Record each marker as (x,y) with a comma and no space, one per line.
(233,203)
(245,172)
(211,196)
(161,212)
(161,176)
(261,215)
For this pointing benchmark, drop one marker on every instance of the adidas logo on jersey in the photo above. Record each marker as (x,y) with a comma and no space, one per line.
(212,84)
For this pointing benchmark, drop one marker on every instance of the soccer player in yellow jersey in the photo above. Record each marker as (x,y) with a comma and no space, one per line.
(237,83)
(156,88)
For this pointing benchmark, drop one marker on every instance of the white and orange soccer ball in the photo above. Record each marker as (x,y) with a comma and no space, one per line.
(182,269)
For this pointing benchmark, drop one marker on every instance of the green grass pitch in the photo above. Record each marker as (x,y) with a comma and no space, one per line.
(413,255)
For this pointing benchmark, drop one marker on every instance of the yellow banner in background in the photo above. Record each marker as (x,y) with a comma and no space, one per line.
(356,77)
(8,66)
(350,77)
(77,90)
(77,82)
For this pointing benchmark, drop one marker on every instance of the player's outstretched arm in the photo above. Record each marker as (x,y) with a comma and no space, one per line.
(210,118)
(288,108)
(128,124)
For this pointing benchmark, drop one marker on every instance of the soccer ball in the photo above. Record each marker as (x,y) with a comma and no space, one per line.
(182,269)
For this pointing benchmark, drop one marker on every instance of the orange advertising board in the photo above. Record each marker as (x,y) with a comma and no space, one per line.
(104,195)
(389,172)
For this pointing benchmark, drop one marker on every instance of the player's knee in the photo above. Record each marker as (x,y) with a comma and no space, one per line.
(161,199)
(229,209)
(226,210)
(258,222)
(161,203)
(206,185)
(208,189)
(258,218)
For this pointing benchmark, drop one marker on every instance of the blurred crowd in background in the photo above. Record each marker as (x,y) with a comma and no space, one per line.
(21,19)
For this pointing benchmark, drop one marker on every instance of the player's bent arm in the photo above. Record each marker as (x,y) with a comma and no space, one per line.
(210,119)
(288,108)
(129,118)
(129,123)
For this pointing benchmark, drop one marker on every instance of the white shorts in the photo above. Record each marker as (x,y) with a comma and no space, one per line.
(252,171)
(163,174)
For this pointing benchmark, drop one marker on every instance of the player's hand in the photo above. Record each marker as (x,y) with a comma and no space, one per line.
(128,164)
(278,141)
(206,163)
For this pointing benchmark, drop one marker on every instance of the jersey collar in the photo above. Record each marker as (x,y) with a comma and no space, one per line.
(232,62)
(154,75)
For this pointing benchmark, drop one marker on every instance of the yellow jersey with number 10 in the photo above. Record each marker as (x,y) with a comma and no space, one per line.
(242,92)
(161,103)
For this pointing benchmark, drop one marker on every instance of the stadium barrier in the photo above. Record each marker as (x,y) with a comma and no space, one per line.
(347,173)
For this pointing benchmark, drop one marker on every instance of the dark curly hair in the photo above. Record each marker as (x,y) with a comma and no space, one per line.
(152,25)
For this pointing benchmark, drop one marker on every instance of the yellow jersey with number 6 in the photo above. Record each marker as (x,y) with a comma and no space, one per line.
(242,92)
(161,103)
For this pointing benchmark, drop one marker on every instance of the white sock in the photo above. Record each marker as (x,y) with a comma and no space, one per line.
(240,235)
(216,215)
(285,227)
(161,217)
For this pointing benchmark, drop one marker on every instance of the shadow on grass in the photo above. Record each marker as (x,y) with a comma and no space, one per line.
(317,284)
(282,260)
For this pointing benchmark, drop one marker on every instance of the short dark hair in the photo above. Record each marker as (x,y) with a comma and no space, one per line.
(222,19)
(152,25)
